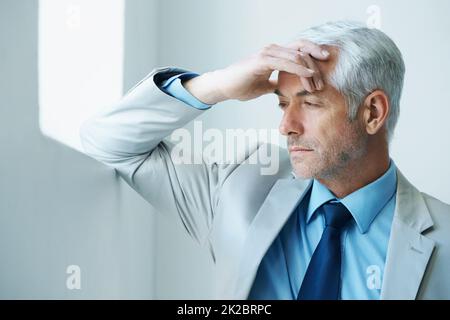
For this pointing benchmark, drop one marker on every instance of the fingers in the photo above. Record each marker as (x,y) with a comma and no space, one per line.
(291,59)
(281,64)
(311,48)
(302,71)
(317,77)
(271,85)
(307,84)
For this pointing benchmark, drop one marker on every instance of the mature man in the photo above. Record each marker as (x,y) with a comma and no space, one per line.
(338,220)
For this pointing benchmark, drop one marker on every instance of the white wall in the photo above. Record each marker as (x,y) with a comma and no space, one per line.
(57,206)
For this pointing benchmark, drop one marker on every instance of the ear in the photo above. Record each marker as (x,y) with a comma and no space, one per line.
(375,111)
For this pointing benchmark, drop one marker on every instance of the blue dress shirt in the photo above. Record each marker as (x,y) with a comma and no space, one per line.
(174,87)
(364,242)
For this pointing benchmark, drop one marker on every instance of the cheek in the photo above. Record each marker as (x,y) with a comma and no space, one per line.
(343,137)
(325,130)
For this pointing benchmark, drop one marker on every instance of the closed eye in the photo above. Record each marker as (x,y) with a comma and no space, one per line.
(282,105)
(310,104)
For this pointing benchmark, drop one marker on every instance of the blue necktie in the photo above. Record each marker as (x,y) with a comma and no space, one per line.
(322,278)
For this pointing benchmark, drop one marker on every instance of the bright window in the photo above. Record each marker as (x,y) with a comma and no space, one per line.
(80,63)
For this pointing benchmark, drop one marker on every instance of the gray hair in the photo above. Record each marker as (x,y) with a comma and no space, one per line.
(368,60)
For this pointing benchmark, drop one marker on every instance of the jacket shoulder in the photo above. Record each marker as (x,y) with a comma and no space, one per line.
(440,213)
(436,206)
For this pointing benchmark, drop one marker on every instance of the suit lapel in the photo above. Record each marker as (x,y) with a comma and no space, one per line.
(271,217)
(408,251)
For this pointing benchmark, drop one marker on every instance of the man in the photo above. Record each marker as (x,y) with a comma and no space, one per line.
(338,220)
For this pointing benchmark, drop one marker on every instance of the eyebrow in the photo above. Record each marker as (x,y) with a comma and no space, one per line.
(298,94)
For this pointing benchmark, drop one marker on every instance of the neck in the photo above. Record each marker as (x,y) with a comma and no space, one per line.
(359,172)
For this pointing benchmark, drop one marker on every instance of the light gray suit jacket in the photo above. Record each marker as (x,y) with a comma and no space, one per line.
(235,212)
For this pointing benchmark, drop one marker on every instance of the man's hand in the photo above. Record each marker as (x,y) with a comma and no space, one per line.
(250,78)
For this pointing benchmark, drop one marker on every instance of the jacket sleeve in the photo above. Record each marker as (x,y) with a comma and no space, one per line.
(131,137)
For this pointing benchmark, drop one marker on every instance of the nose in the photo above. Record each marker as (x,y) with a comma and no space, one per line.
(291,122)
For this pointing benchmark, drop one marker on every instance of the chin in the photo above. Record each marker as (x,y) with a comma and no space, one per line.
(302,174)
(302,170)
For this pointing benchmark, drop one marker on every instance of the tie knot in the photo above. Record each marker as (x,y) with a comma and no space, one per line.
(336,214)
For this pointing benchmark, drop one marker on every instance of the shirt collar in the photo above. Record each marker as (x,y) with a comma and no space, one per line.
(364,204)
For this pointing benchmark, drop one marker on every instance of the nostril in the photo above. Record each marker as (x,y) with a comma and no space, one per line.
(283,130)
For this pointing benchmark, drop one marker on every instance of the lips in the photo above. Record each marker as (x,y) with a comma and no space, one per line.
(297,148)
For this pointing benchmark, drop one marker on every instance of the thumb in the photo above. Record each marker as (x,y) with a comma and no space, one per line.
(270,86)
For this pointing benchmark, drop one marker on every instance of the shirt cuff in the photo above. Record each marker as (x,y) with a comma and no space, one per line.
(174,87)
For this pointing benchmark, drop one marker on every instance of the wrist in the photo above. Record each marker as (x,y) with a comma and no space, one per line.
(205,88)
